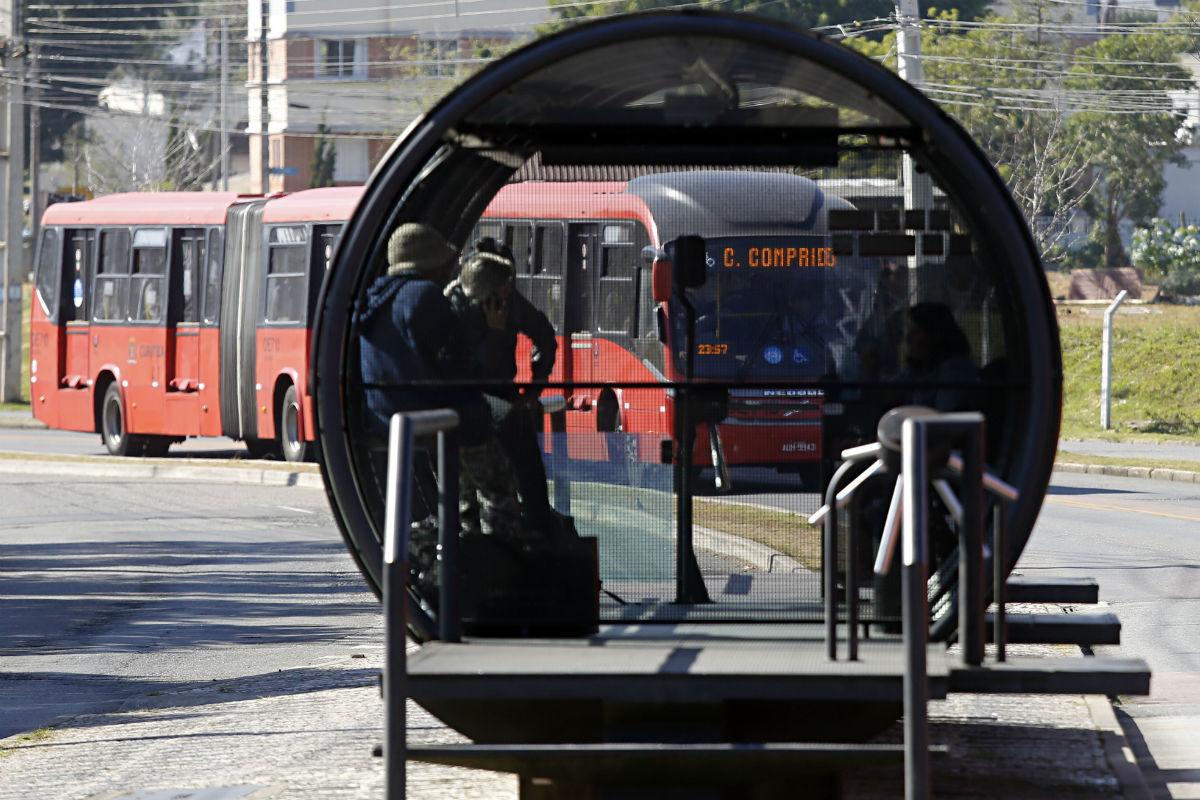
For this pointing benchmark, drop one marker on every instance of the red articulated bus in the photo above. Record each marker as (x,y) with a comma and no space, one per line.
(585,254)
(159,316)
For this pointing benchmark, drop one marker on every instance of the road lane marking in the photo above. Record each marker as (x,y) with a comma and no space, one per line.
(297,510)
(1107,507)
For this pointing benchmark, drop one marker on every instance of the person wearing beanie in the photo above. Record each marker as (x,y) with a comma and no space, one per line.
(491,312)
(412,352)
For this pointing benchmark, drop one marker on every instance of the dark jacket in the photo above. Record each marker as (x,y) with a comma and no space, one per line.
(495,351)
(409,349)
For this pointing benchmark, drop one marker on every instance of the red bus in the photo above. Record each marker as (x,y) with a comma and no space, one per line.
(159,316)
(585,250)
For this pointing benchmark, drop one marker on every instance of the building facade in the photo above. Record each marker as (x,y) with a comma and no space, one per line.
(348,76)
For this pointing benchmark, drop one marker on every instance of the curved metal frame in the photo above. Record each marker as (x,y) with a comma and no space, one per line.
(946,151)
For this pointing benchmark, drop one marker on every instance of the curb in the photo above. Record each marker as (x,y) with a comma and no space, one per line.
(1117,750)
(184,470)
(1151,473)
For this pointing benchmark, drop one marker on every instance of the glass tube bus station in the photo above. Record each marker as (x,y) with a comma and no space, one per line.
(751,244)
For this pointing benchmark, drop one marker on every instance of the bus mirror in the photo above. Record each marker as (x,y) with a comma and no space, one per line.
(650,254)
(660,281)
(690,260)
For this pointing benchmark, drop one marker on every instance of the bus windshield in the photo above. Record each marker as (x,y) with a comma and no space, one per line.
(759,314)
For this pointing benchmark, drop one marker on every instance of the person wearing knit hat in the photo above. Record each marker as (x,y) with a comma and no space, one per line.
(491,313)
(416,246)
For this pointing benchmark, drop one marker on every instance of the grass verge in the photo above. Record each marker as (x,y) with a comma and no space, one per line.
(788,533)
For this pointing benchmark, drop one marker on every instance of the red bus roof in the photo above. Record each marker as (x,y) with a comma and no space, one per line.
(146,208)
(572,200)
(315,205)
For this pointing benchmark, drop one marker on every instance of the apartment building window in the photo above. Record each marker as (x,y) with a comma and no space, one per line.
(350,163)
(340,58)
(439,57)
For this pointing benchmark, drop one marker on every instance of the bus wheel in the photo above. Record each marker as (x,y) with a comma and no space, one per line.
(112,426)
(291,440)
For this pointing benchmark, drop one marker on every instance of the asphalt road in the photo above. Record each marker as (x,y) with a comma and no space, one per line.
(1141,541)
(116,589)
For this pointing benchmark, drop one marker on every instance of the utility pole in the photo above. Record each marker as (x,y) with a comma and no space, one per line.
(35,139)
(264,60)
(223,116)
(12,196)
(918,188)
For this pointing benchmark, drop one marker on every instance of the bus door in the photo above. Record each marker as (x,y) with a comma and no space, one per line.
(183,330)
(582,287)
(79,246)
(147,365)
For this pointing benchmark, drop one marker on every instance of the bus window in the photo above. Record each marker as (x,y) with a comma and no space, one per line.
(488,228)
(619,259)
(286,255)
(77,263)
(212,278)
(543,285)
(325,238)
(187,261)
(112,277)
(519,238)
(47,276)
(147,293)
(549,252)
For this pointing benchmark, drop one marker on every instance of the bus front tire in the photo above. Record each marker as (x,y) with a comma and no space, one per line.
(291,440)
(113,430)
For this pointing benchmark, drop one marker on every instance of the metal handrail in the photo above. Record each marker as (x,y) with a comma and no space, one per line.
(405,428)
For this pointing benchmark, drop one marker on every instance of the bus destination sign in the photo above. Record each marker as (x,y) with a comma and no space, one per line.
(752,254)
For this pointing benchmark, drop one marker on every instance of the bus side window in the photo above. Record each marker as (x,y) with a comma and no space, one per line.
(47,277)
(212,278)
(619,258)
(111,287)
(286,300)
(147,289)
(543,286)
(187,258)
(647,326)
(520,239)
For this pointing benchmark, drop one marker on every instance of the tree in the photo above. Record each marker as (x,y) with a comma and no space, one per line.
(82,44)
(322,160)
(807,13)
(1002,83)
(1126,131)
(1170,255)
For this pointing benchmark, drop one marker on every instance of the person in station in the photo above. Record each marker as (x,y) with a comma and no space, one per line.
(496,322)
(937,353)
(412,355)
(491,312)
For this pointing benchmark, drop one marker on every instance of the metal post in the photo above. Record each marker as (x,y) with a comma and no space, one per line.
(829,558)
(999,579)
(395,605)
(970,544)
(1106,361)
(915,609)
(449,613)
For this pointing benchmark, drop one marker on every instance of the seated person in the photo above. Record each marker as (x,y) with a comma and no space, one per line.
(937,351)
